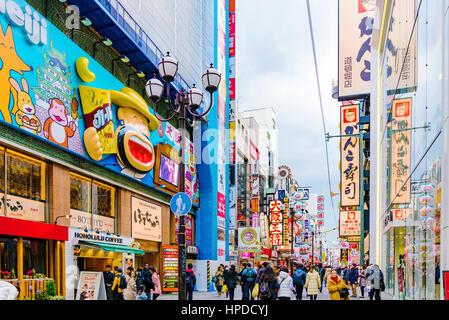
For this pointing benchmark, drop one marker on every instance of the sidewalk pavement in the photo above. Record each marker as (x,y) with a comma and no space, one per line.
(204,295)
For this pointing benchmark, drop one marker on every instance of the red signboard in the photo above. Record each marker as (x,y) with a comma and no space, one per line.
(32,229)
(446,284)
(221,205)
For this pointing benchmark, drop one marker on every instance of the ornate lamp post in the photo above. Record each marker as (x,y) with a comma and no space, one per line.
(190,102)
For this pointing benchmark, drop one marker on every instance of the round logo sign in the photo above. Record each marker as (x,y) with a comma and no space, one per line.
(249,237)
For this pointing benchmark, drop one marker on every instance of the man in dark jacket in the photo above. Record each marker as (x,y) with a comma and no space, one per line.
(299,279)
(231,279)
(353,278)
(147,280)
(108,281)
(320,271)
(190,282)
(261,270)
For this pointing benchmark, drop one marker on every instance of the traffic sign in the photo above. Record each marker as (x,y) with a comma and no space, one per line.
(180,204)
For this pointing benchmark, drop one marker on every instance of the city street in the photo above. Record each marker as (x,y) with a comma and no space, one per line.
(204,295)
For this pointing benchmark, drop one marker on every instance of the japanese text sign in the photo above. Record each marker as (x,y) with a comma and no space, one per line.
(350,223)
(400,151)
(146,220)
(350,156)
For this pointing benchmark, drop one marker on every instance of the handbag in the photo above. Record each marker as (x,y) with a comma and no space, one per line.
(225,288)
(343,293)
(255,292)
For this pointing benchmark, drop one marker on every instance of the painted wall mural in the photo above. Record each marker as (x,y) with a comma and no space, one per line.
(52,89)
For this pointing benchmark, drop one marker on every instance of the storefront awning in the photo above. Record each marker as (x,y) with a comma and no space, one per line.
(112,247)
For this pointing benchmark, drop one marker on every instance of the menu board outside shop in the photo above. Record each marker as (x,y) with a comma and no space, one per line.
(170,268)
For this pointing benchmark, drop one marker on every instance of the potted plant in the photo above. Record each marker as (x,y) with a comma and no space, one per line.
(6,275)
(30,273)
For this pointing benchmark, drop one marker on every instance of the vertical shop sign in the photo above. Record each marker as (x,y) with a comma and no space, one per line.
(275,223)
(170,268)
(446,284)
(355,28)
(400,151)
(350,157)
(146,220)
(286,225)
(350,224)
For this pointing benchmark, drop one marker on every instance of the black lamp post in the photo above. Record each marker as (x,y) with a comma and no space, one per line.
(190,102)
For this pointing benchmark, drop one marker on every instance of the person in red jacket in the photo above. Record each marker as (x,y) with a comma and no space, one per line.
(190,281)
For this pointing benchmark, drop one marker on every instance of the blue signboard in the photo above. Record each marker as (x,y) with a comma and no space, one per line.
(180,204)
(281,195)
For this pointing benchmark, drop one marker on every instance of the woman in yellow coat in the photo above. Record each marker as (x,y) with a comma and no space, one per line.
(335,284)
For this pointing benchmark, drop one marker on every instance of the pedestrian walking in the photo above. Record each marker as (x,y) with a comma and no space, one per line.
(353,277)
(327,274)
(108,281)
(231,280)
(248,280)
(260,271)
(376,282)
(190,281)
(285,284)
(225,285)
(269,286)
(219,279)
(119,285)
(299,280)
(362,281)
(131,284)
(156,292)
(321,271)
(147,278)
(312,284)
(337,288)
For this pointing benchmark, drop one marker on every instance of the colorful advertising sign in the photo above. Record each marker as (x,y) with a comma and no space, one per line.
(146,220)
(54,91)
(350,157)
(350,223)
(401,151)
(21,208)
(249,239)
(91,286)
(170,268)
(276,218)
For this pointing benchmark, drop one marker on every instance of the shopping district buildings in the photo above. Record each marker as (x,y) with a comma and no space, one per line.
(393,88)
(87,170)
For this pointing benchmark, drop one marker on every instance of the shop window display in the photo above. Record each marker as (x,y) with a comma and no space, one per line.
(92,204)
(24,176)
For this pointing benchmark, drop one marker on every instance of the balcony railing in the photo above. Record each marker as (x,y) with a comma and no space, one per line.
(33,287)
(138,35)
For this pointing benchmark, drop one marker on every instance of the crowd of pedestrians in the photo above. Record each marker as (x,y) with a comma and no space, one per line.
(140,284)
(267,282)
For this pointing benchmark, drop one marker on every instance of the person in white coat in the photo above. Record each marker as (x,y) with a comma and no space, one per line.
(286,284)
(8,291)
(313,283)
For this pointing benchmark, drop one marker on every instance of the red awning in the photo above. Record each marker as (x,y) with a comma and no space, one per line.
(32,229)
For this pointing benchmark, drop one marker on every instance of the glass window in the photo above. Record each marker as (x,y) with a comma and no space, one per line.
(79,193)
(26,176)
(102,199)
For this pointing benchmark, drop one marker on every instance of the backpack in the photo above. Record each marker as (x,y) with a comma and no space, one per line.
(122,284)
(250,275)
(189,279)
(265,292)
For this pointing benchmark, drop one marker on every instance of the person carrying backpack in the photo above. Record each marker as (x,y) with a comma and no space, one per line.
(119,285)
(190,281)
(299,280)
(376,281)
(248,280)
(269,285)
(231,280)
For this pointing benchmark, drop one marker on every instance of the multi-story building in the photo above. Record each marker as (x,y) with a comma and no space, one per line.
(87,171)
(406,87)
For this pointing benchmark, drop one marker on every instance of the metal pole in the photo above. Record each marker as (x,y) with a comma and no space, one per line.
(362,202)
(291,261)
(181,231)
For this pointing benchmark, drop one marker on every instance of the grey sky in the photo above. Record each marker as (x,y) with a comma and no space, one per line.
(275,68)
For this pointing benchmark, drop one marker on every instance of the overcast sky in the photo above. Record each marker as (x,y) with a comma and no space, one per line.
(275,68)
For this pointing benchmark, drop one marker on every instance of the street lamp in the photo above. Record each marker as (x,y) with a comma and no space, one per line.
(68,216)
(190,102)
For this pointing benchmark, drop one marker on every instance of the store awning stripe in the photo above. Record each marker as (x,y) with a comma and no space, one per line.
(113,247)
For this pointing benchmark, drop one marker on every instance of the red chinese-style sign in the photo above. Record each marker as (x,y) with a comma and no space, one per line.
(320,199)
(275,206)
(276,228)
(275,217)
(276,239)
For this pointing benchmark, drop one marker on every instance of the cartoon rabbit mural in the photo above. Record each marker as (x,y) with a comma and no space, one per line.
(24,109)
(11,62)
